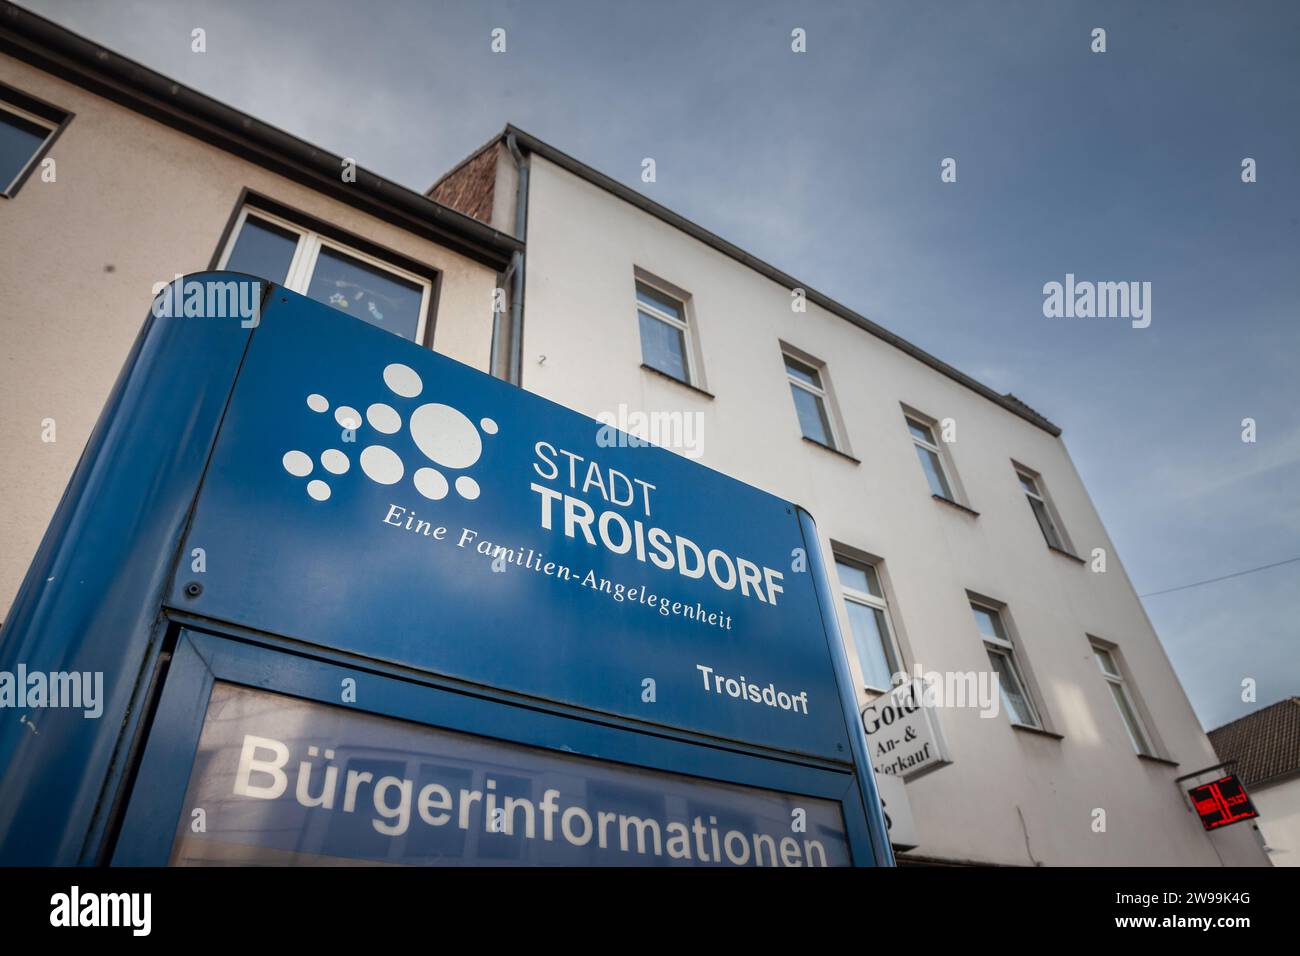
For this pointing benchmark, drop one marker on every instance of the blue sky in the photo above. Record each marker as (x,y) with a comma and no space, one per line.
(1116,166)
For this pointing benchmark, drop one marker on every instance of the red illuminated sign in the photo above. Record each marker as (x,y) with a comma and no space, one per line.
(1222,802)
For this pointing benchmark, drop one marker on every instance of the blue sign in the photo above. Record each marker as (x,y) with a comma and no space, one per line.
(368,495)
(300,550)
(282,781)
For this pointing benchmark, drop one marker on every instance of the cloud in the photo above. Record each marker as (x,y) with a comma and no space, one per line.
(1122,166)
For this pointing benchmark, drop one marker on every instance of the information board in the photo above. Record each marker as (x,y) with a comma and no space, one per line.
(283,781)
(369,495)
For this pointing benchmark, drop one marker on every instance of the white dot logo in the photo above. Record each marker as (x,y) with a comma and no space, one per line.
(334,461)
(382,465)
(467,487)
(347,417)
(297,463)
(430,483)
(444,436)
(403,380)
(384,418)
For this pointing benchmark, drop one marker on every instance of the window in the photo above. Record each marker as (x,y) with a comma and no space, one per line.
(1042,510)
(810,401)
(927,450)
(1106,660)
(662,319)
(864,603)
(321,268)
(1002,658)
(27,129)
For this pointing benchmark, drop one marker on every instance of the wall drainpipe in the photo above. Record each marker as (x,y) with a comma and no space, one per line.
(516,269)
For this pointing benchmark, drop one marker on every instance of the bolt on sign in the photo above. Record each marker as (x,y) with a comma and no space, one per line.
(441,619)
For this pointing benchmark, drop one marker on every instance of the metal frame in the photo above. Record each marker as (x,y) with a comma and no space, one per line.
(682,325)
(821,392)
(1144,747)
(92,598)
(1003,644)
(201,659)
(1221,765)
(1037,493)
(50,129)
(932,446)
(27,107)
(893,652)
(303,264)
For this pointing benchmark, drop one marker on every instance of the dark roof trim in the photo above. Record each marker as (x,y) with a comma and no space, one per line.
(65,54)
(533,144)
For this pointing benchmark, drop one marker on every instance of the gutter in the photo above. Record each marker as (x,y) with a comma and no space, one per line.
(68,56)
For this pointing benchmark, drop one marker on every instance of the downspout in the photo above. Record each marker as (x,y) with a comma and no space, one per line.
(497,366)
(516,269)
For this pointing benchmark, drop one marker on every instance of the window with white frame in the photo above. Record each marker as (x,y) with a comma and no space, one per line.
(931,458)
(1002,658)
(24,136)
(1042,509)
(811,402)
(1124,703)
(868,614)
(665,345)
(321,268)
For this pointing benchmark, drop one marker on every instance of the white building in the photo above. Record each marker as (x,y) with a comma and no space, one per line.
(977,553)
(964,539)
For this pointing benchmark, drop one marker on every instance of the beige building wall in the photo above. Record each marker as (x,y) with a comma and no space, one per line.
(1011,796)
(135,202)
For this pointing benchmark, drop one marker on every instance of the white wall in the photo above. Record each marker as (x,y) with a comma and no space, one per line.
(1279,819)
(583,245)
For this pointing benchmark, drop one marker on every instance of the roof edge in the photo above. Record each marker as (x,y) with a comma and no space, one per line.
(529,142)
(1256,713)
(69,56)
